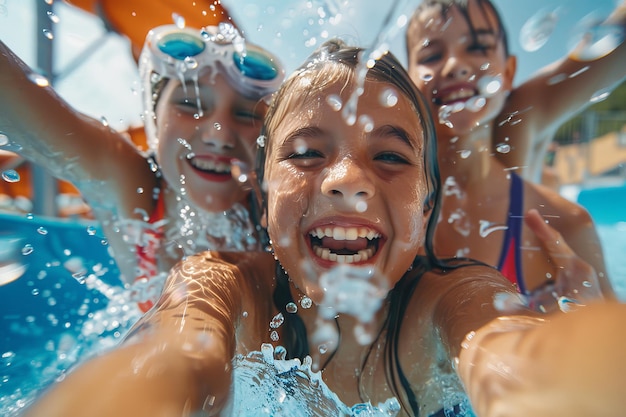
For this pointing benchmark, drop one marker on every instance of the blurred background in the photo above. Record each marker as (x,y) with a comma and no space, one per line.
(45,298)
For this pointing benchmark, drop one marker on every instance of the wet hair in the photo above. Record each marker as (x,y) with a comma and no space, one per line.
(335,62)
(486,7)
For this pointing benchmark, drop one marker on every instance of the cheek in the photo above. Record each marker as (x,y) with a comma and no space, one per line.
(414,224)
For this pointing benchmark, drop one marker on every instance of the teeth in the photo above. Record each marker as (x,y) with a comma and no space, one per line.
(326,254)
(345,233)
(457,95)
(211,165)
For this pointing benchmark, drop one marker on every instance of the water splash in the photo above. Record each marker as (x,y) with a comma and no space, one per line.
(592,39)
(537,30)
(486,227)
(265,384)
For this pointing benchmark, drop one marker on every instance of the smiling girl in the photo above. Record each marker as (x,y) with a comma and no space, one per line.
(203,94)
(361,197)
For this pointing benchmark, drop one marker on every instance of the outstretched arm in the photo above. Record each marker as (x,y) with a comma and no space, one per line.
(176,361)
(47,131)
(515,362)
(538,107)
(568,365)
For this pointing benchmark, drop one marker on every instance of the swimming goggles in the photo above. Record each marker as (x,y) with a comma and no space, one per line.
(182,53)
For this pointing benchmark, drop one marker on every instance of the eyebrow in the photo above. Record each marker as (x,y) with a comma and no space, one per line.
(309,131)
(395,132)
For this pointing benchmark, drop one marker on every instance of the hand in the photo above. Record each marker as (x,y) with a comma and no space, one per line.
(575,283)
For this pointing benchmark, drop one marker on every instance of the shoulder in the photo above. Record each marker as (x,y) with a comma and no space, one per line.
(448,304)
(244,266)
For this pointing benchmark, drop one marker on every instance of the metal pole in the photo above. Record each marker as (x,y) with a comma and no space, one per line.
(44,186)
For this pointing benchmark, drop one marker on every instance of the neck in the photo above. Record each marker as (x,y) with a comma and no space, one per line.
(466,156)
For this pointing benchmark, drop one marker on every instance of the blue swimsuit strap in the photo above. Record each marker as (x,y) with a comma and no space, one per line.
(513,232)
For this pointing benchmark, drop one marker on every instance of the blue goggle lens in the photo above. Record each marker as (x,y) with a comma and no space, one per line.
(181,45)
(255,65)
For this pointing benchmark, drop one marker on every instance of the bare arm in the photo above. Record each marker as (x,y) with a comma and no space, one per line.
(570,365)
(72,146)
(177,359)
(554,95)
(515,362)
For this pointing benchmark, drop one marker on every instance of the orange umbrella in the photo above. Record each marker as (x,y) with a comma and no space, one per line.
(134,18)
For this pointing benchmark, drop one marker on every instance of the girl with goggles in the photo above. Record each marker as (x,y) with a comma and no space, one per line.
(204,109)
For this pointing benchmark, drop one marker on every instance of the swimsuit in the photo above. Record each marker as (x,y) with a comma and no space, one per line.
(510,263)
(151,239)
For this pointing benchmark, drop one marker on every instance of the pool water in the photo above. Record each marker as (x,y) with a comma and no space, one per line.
(68,302)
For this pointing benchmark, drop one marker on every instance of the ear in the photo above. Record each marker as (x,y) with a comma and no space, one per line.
(509,72)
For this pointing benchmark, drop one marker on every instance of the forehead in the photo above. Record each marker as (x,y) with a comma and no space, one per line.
(437,19)
(331,107)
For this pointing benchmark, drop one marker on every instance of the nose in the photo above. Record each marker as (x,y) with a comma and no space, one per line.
(217,133)
(346,182)
(455,68)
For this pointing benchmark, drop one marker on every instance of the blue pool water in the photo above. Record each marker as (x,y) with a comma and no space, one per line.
(69,302)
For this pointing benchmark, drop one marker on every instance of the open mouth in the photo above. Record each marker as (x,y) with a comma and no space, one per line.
(349,245)
(454,96)
(211,167)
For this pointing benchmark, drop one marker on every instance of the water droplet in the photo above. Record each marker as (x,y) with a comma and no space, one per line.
(538,29)
(42,231)
(260,141)
(35,291)
(10,175)
(291,308)
(567,305)
(465,153)
(306,302)
(274,336)
(217,126)
(335,102)
(489,85)
(27,249)
(4,139)
(48,34)
(503,148)
(190,63)
(366,122)
(601,95)
(179,20)
(244,314)
(486,228)
(388,98)
(79,277)
(361,206)
(39,79)
(300,146)
(587,284)
(91,230)
(53,17)
(323,348)
(277,321)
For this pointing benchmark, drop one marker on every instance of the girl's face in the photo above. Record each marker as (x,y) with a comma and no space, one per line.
(341,193)
(201,132)
(466,80)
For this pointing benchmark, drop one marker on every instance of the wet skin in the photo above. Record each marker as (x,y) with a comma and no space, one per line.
(329,181)
(219,125)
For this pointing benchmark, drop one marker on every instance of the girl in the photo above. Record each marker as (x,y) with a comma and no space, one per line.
(358,191)
(203,109)
(458,58)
